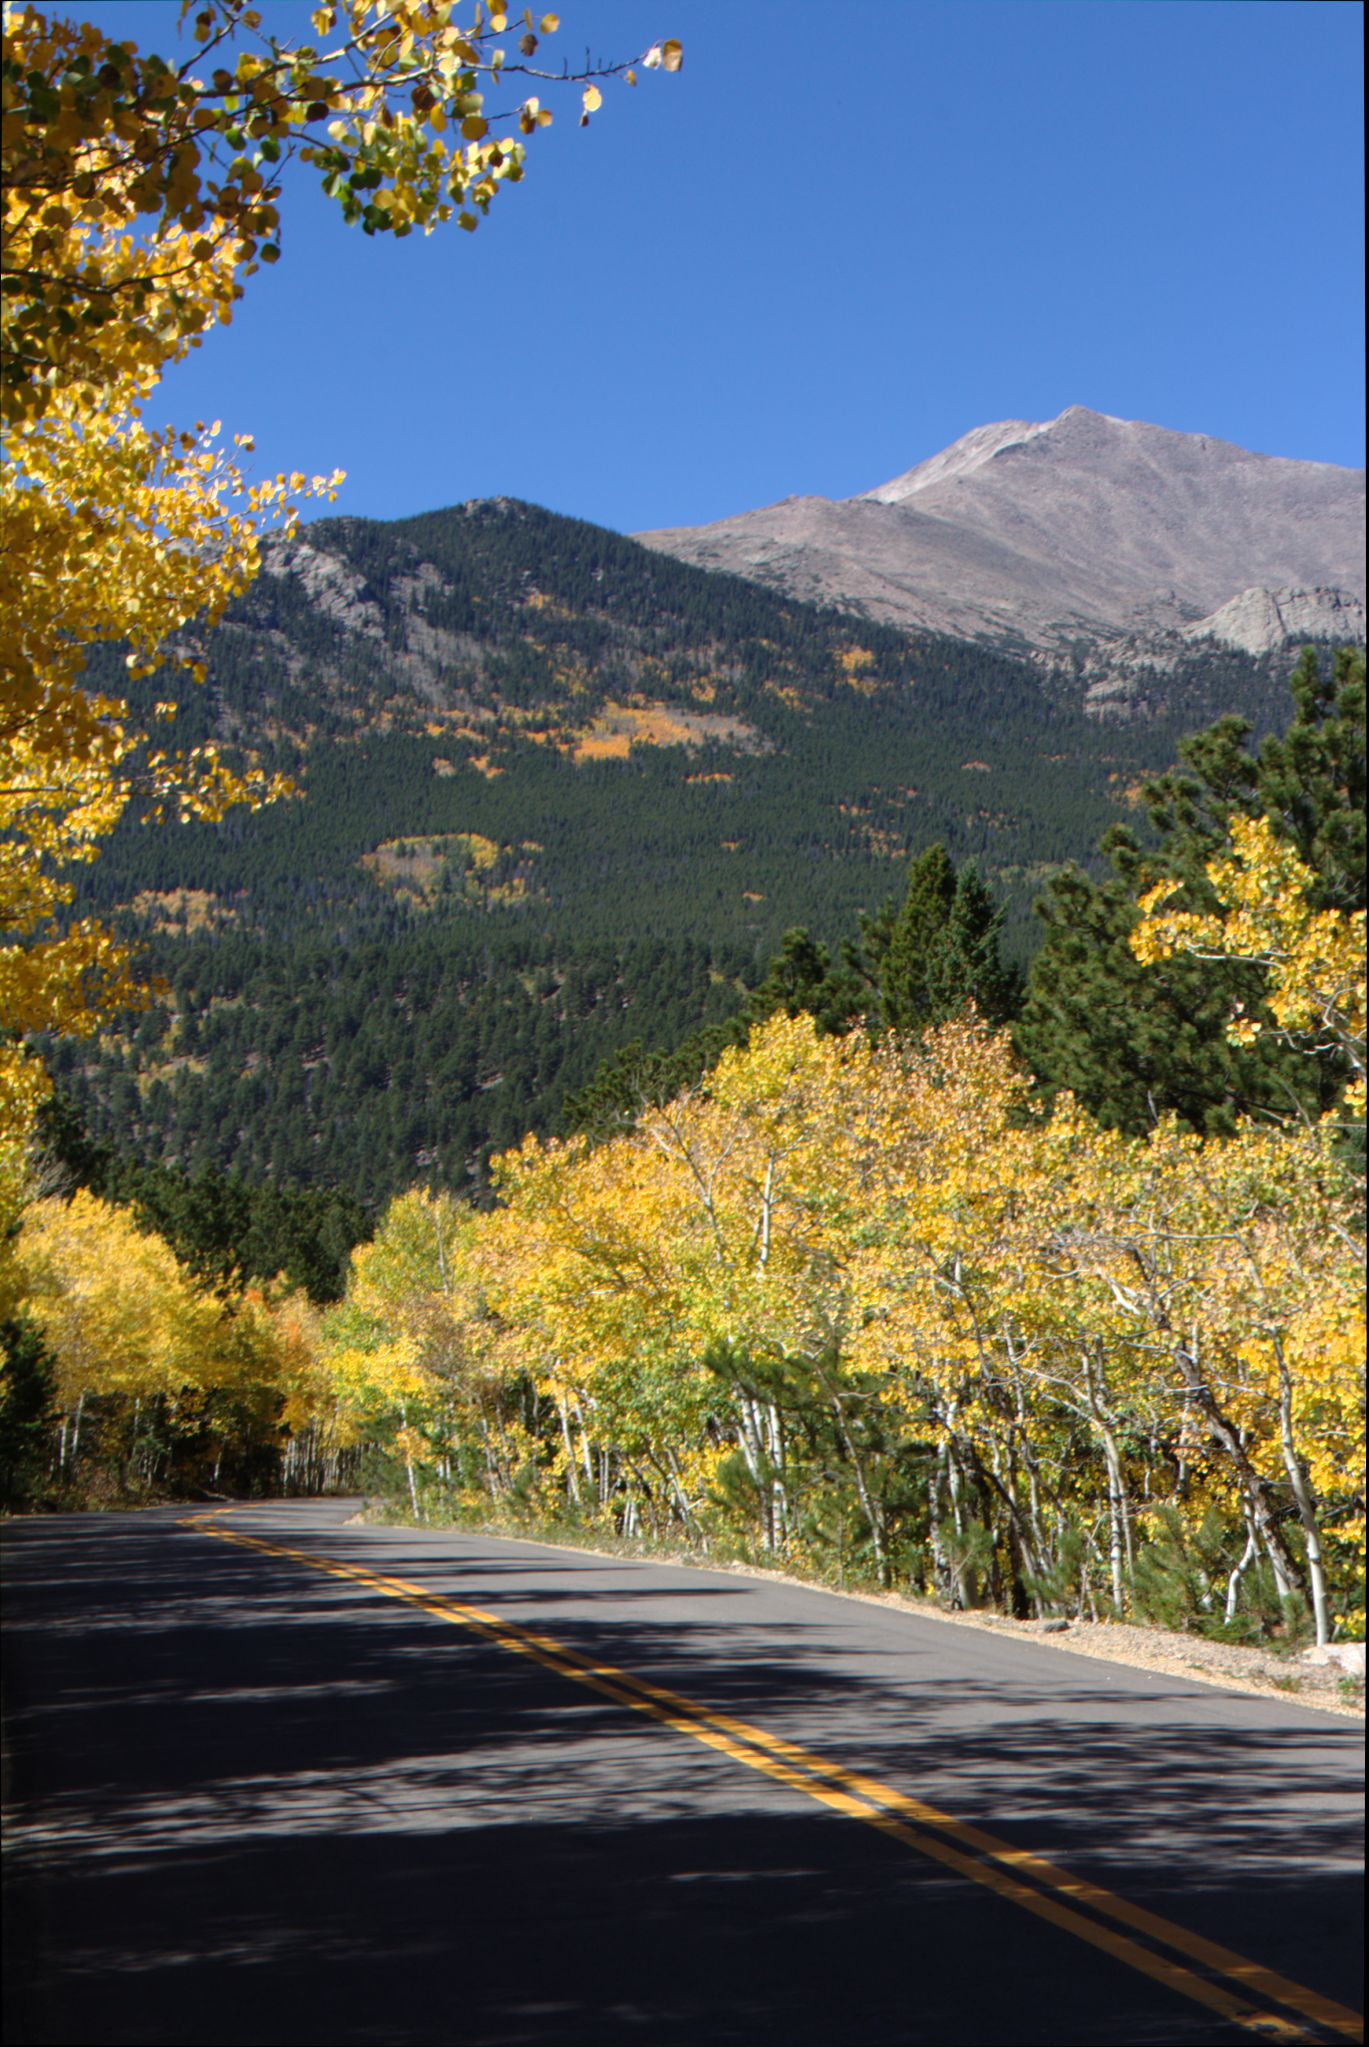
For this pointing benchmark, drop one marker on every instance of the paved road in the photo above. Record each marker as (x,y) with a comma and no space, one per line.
(329,1783)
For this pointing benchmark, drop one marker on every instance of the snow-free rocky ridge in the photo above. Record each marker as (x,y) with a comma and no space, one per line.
(1083,529)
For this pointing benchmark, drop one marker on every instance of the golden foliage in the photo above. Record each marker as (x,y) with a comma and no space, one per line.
(890,1235)
(1315,959)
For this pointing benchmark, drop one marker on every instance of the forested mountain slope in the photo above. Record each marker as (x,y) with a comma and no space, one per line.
(557,793)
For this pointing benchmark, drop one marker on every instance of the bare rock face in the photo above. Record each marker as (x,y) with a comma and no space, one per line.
(1083,528)
(331,585)
(1261,621)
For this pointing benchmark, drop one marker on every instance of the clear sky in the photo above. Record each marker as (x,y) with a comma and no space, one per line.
(842,236)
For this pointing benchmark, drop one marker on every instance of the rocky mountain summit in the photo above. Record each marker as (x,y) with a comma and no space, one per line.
(1083,534)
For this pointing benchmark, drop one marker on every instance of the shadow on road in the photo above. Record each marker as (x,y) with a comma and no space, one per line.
(252,1803)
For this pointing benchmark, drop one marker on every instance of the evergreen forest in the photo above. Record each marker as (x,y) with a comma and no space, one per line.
(557,795)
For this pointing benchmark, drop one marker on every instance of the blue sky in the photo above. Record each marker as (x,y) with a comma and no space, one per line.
(841,237)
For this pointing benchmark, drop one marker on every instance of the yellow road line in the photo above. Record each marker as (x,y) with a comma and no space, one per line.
(994,1863)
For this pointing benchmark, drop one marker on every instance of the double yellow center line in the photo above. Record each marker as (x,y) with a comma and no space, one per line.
(1242,1991)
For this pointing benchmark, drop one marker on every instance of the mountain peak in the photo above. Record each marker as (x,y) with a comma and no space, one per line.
(962,458)
(1076,433)
(1043,533)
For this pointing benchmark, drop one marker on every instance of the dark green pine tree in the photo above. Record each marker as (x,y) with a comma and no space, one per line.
(1130,1041)
(928,960)
(225,1232)
(1135,1042)
(905,962)
(26,1412)
(803,980)
(964,967)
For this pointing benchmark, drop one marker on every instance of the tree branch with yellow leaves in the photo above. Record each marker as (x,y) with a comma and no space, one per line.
(137,197)
(1315,959)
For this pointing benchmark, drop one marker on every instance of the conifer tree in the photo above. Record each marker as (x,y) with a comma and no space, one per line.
(1135,1042)
(803,980)
(908,967)
(965,967)
(925,962)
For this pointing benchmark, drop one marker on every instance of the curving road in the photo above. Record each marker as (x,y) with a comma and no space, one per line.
(272,1777)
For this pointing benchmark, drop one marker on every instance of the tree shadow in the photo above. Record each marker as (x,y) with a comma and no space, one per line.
(252,1802)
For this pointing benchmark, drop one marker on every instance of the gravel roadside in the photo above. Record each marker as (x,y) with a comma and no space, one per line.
(1226,1664)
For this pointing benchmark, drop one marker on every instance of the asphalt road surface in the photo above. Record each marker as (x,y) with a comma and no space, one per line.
(277,1778)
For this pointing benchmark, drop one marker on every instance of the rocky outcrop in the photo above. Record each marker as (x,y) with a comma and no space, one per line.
(1261,621)
(331,585)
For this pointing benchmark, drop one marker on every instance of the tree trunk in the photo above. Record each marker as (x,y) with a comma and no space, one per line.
(1233,1583)
(76,1427)
(572,1477)
(1302,1494)
(873,1519)
(1286,1573)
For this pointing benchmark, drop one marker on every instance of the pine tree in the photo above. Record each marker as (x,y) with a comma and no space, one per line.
(965,967)
(923,963)
(803,980)
(1133,1042)
(907,968)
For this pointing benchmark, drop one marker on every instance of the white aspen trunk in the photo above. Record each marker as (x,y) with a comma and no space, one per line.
(867,1506)
(1283,1584)
(409,1469)
(767,1201)
(487,1451)
(1119,1548)
(62,1447)
(751,1442)
(755,1436)
(1119,1522)
(572,1477)
(939,1569)
(1181,1459)
(957,1521)
(1033,1497)
(1252,1485)
(586,1454)
(76,1427)
(1233,1583)
(1116,1509)
(779,1488)
(1307,1513)
(681,1502)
